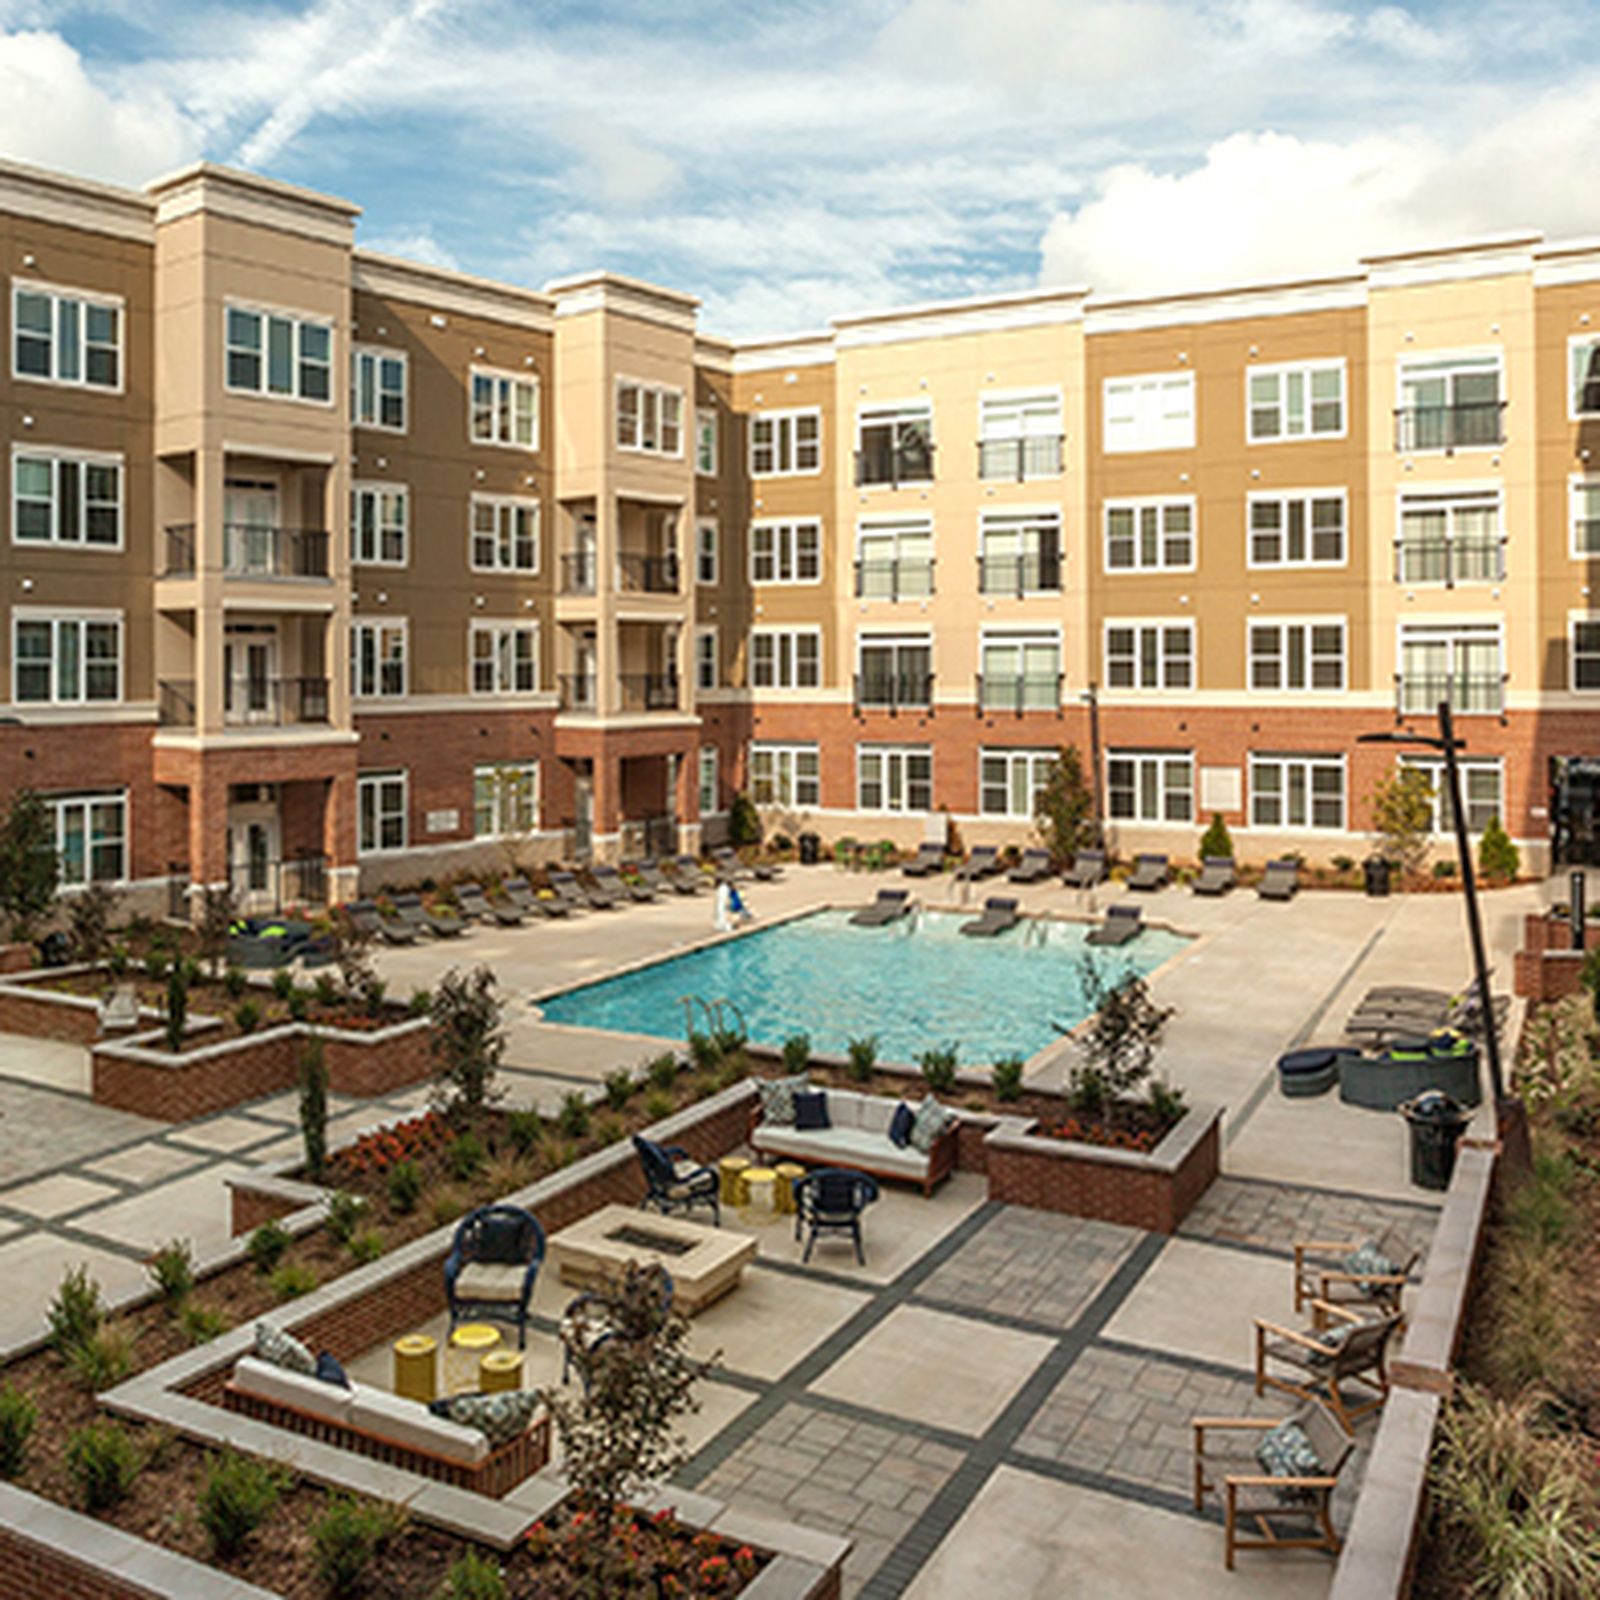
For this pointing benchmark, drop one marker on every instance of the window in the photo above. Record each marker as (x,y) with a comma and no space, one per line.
(1020,672)
(785,552)
(278,354)
(1585,652)
(1461,662)
(91,837)
(649,418)
(1150,786)
(1019,435)
(785,444)
(705,552)
(785,658)
(66,660)
(1303,401)
(505,799)
(1583,398)
(1586,519)
(705,658)
(894,444)
(892,777)
(378,389)
(1450,538)
(505,657)
(706,790)
(378,660)
(66,499)
(1448,403)
(1297,530)
(1149,535)
(1152,412)
(380,812)
(505,534)
(705,443)
(1150,655)
(64,336)
(505,409)
(1480,790)
(1010,781)
(1019,552)
(1305,655)
(894,558)
(378,518)
(895,672)
(784,775)
(1296,791)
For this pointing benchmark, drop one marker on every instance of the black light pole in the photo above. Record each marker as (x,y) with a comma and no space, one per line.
(1091,696)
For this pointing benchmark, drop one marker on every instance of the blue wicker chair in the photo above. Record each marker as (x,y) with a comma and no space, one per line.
(673,1182)
(831,1200)
(493,1262)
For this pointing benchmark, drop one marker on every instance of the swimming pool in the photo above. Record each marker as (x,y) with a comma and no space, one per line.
(916,985)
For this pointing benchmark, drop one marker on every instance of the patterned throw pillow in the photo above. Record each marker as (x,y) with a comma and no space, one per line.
(1367,1262)
(777,1099)
(284,1350)
(500,1418)
(930,1121)
(1285,1452)
(1332,1341)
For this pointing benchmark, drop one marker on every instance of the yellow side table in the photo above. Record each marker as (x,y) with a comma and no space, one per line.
(783,1195)
(760,1184)
(416,1371)
(732,1170)
(499,1370)
(469,1344)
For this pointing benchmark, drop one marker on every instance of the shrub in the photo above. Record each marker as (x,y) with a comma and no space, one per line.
(1498,857)
(608,1128)
(404,1184)
(1444,869)
(101,1361)
(657,1104)
(1402,814)
(863,1056)
(663,1069)
(619,1088)
(468,1040)
(939,1068)
(247,1016)
(171,1270)
(103,1461)
(314,1108)
(283,983)
(702,1052)
(1119,1043)
(117,961)
(446,1205)
(464,1157)
(201,1324)
(1166,1100)
(1006,1075)
(1216,840)
(325,990)
(291,1280)
(744,821)
(299,1005)
(573,1118)
(233,983)
(18,1414)
(796,1053)
(1343,863)
(177,1004)
(75,1315)
(1063,812)
(366,1246)
(525,1129)
(473,1577)
(266,1246)
(420,1003)
(29,866)
(89,914)
(238,1495)
(348,1535)
(345,1212)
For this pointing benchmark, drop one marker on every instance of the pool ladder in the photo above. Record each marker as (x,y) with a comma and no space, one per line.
(715,1021)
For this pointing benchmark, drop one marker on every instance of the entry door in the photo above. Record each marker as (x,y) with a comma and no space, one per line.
(583,824)
(588,540)
(250,671)
(251,523)
(588,687)
(253,861)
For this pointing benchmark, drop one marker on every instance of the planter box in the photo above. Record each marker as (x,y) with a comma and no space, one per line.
(1153,1191)
(15,957)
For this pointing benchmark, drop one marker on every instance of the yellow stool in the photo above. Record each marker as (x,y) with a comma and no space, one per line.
(468,1345)
(760,1185)
(416,1372)
(783,1195)
(500,1369)
(733,1169)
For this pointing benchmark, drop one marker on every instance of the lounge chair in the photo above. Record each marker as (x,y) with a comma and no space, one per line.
(411,911)
(366,918)
(984,862)
(928,860)
(1088,870)
(520,893)
(890,906)
(1150,871)
(652,877)
(1323,1272)
(575,893)
(620,888)
(831,1200)
(1326,1358)
(1034,867)
(999,913)
(1281,881)
(687,878)
(1217,875)
(1122,924)
(728,862)
(475,903)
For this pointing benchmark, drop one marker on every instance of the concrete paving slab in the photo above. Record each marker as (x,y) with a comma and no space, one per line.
(770,1321)
(145,1163)
(55,1196)
(32,1267)
(225,1133)
(1327,1144)
(49,1062)
(195,1208)
(41,1130)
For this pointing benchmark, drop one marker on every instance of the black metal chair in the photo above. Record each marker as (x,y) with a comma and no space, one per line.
(831,1200)
(493,1262)
(587,1327)
(674,1182)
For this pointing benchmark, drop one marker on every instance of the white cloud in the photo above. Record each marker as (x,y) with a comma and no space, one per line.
(418,245)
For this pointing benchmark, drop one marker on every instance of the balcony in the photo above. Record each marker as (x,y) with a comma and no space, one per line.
(1476,424)
(894,691)
(1450,561)
(180,551)
(645,574)
(649,691)
(1039,573)
(176,703)
(910,579)
(250,702)
(579,571)
(894,464)
(1019,693)
(580,691)
(1037,456)
(1419,694)
(252,550)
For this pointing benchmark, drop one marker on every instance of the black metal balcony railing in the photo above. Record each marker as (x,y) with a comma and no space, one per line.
(580,691)
(1474,423)
(262,550)
(180,551)
(294,881)
(894,691)
(638,573)
(895,580)
(1419,694)
(1036,573)
(275,702)
(1019,692)
(909,461)
(176,703)
(578,572)
(1450,561)
(649,691)
(1037,456)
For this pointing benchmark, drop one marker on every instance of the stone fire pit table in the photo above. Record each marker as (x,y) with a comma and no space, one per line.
(705,1262)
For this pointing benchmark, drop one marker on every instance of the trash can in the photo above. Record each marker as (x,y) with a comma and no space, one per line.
(1436,1122)
(810,849)
(1377,870)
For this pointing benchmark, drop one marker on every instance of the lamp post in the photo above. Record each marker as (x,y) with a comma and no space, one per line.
(1091,698)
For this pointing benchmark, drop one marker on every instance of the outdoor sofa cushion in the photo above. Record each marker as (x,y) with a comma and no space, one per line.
(330,1371)
(488,1280)
(1286,1452)
(930,1121)
(1367,1260)
(405,1422)
(777,1097)
(303,1391)
(845,1147)
(282,1349)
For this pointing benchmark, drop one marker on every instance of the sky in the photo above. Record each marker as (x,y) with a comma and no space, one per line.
(797,161)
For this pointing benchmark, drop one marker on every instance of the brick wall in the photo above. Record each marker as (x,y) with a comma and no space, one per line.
(1547,967)
(15,957)
(44,1016)
(250,1208)
(29,1571)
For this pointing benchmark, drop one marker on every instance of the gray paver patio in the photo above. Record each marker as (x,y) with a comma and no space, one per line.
(1272,1216)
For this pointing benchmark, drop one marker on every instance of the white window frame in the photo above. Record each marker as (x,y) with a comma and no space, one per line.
(504,799)
(375,356)
(785,658)
(1028,767)
(895,643)
(377,493)
(704,679)
(1453,634)
(786,778)
(896,530)
(1017,417)
(378,684)
(84,805)
(705,441)
(1160,762)
(1452,501)
(1306,371)
(299,322)
(891,756)
(58,621)
(1151,423)
(1469,767)
(502,658)
(1586,342)
(1308,764)
(1579,486)
(782,455)
(896,415)
(504,539)
(650,425)
(1449,365)
(503,410)
(55,457)
(1139,507)
(59,295)
(1287,655)
(1586,620)
(1021,640)
(785,561)
(1140,626)
(1307,500)
(707,780)
(707,551)
(386,784)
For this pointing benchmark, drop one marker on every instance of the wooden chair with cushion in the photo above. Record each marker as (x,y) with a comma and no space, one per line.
(1323,1359)
(492,1265)
(1323,1272)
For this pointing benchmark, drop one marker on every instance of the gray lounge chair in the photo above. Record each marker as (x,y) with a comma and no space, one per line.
(1122,924)
(652,877)
(475,903)
(984,862)
(999,914)
(411,911)
(890,906)
(569,888)
(928,860)
(520,893)
(1088,870)
(1281,881)
(1217,875)
(1034,867)
(366,918)
(687,878)
(728,863)
(620,888)
(1150,871)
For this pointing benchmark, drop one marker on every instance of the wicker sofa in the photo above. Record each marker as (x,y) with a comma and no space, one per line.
(858,1139)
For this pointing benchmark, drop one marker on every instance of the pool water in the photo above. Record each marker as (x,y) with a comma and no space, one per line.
(917,985)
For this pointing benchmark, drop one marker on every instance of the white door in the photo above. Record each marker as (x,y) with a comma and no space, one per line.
(253,861)
(250,675)
(251,526)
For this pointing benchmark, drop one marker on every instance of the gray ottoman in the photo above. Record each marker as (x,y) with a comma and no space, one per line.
(1305,1073)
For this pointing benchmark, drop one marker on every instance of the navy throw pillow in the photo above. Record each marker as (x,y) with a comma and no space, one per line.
(900,1125)
(329,1371)
(811,1110)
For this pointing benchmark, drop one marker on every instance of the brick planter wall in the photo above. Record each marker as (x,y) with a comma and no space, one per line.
(1153,1192)
(15,957)
(67,1018)
(1547,967)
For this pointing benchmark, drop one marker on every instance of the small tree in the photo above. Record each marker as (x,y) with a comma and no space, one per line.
(1118,1046)
(1498,857)
(352,954)
(29,868)
(516,815)
(314,1108)
(744,821)
(89,917)
(217,911)
(179,976)
(469,1040)
(1402,815)
(1063,812)
(1216,840)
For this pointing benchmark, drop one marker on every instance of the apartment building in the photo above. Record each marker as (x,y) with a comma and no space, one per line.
(327,570)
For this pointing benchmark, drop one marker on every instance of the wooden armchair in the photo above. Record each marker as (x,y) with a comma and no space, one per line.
(1320,1273)
(1324,1363)
(1284,1513)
